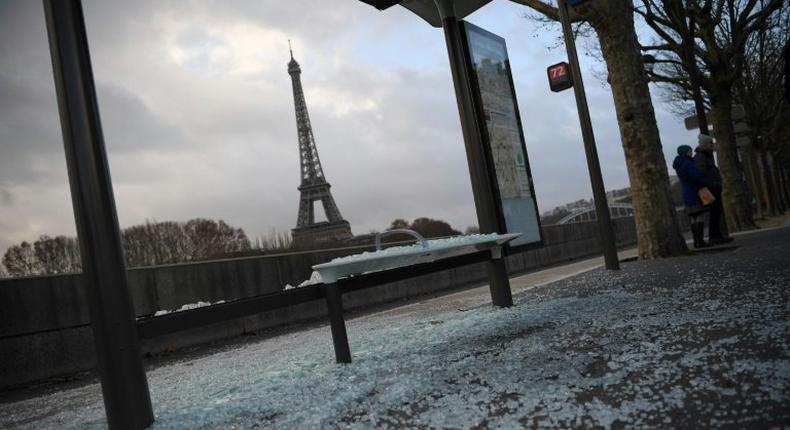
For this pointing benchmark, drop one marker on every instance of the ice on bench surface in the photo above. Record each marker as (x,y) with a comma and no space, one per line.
(400,256)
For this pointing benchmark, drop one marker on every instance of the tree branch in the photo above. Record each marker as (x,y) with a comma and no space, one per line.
(669,61)
(649,18)
(548,10)
(664,47)
(655,77)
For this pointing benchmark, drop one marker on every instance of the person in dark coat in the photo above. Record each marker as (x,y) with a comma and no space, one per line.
(706,165)
(691,181)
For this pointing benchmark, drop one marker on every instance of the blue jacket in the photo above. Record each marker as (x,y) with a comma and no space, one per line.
(691,180)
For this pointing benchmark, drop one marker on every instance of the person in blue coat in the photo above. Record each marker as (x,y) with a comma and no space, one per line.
(691,181)
(706,165)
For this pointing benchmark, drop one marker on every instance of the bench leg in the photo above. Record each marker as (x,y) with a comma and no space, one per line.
(499,284)
(334,303)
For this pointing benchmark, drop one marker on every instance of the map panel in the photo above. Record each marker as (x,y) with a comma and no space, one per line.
(490,63)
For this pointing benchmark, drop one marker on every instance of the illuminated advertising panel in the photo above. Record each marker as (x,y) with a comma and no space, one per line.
(507,159)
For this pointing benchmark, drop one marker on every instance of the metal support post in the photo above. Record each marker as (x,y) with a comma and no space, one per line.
(127,401)
(472,130)
(593,165)
(497,275)
(334,304)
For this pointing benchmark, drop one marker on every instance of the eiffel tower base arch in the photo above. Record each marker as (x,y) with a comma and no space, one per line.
(321,232)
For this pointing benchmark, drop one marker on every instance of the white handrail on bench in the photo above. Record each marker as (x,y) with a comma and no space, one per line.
(413,233)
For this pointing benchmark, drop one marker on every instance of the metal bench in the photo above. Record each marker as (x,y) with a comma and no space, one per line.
(340,279)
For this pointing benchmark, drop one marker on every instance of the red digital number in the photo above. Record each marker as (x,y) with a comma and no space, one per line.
(558,72)
(559,77)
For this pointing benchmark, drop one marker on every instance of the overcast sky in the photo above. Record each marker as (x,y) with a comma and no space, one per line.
(198,116)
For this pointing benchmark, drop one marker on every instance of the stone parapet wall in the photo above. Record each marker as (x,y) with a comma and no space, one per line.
(44,321)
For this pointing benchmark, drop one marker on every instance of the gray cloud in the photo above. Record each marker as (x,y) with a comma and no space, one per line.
(131,126)
(6,198)
(29,133)
(198,117)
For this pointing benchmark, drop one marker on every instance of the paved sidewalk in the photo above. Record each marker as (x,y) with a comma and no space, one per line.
(693,342)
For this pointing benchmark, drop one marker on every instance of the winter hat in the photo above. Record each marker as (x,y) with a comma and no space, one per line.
(704,138)
(683,149)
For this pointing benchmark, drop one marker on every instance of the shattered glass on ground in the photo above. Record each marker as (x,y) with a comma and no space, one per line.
(700,341)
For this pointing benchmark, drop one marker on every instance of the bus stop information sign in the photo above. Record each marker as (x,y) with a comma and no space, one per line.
(506,152)
(559,77)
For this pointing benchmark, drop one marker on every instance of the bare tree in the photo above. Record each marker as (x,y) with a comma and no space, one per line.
(658,231)
(58,255)
(273,241)
(149,244)
(175,242)
(712,52)
(426,227)
(398,223)
(760,91)
(429,227)
(210,239)
(45,256)
(155,243)
(20,260)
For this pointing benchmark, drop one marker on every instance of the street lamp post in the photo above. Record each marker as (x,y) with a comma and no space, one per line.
(593,165)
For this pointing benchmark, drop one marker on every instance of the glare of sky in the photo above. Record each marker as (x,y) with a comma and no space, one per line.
(198,117)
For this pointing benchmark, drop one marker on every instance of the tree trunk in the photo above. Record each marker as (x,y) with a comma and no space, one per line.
(751,170)
(657,226)
(737,207)
(786,186)
(773,183)
(785,178)
(776,178)
(768,184)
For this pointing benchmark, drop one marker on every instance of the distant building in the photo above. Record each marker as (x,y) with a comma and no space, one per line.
(584,210)
(619,201)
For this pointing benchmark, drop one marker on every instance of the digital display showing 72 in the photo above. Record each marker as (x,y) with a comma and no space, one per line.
(559,77)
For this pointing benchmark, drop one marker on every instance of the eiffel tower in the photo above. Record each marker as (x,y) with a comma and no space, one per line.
(314,186)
